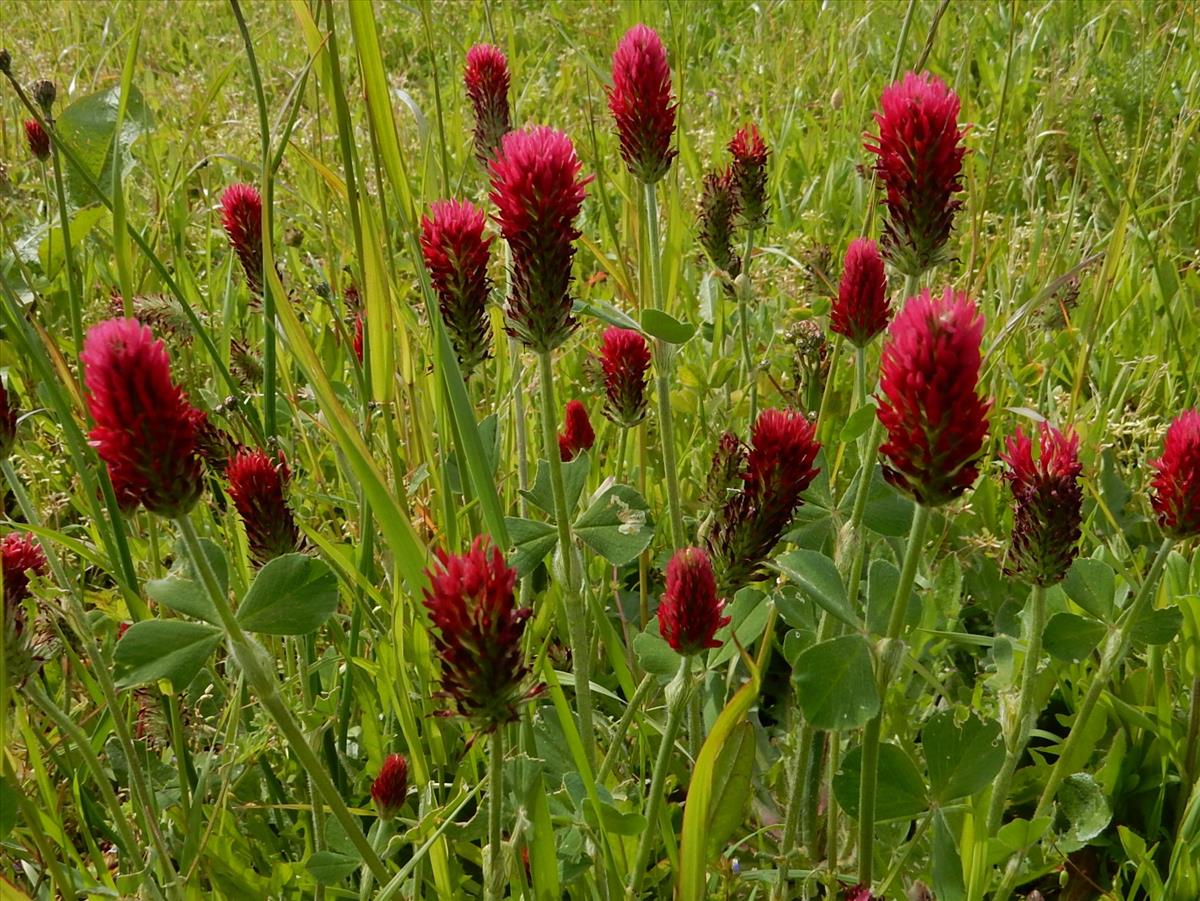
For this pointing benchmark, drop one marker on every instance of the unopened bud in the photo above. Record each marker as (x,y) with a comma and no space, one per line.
(5,62)
(44,93)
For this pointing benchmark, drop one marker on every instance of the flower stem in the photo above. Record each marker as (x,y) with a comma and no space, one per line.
(576,612)
(885,664)
(68,251)
(618,738)
(1035,625)
(677,701)
(495,859)
(247,651)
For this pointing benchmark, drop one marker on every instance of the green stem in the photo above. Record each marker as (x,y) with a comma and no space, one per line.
(677,699)
(495,858)
(744,294)
(618,738)
(68,251)
(572,582)
(1035,625)
(831,815)
(247,652)
(381,833)
(886,663)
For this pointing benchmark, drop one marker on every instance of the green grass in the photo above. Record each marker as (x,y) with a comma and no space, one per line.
(1078,239)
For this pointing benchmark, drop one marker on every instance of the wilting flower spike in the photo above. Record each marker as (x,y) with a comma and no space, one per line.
(37,139)
(577,434)
(1049,503)
(9,413)
(749,169)
(456,255)
(486,77)
(861,310)
(935,421)
(146,431)
(1176,484)
(241,216)
(642,105)
(390,787)
(718,209)
(258,485)
(625,362)
(690,613)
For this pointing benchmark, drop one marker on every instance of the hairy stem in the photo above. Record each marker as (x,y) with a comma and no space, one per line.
(495,858)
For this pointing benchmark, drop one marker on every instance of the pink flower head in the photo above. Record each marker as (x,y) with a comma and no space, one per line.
(625,361)
(749,152)
(641,103)
(538,194)
(486,77)
(146,431)
(9,413)
(920,154)
(690,613)
(390,787)
(1049,503)
(37,139)
(577,435)
(1176,484)
(934,418)
(861,310)
(719,207)
(20,555)
(456,255)
(241,215)
(258,487)
(479,627)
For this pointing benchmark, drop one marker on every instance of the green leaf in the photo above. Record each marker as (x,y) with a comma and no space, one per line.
(1158,626)
(182,590)
(8,807)
(88,125)
(617,524)
(735,763)
(1070,637)
(858,423)
(948,882)
(1082,802)
(531,542)
(330,867)
(1092,585)
(882,582)
(605,312)
(653,654)
(665,327)
(961,760)
(171,649)
(835,683)
(747,619)
(819,579)
(51,253)
(292,595)
(574,474)
(901,792)
(888,512)
(1018,834)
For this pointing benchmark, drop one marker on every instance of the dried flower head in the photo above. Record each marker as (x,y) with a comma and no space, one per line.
(641,104)
(1176,497)
(241,215)
(625,361)
(538,194)
(726,472)
(861,310)
(487,78)
(37,139)
(456,255)
(9,414)
(690,613)
(390,787)
(44,92)
(258,488)
(577,434)
(934,418)
(718,209)
(146,431)
(1048,503)
(749,152)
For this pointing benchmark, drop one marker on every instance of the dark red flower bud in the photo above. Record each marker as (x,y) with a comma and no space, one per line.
(258,485)
(9,413)
(241,215)
(718,208)
(935,421)
(690,613)
(1176,497)
(537,190)
(861,310)
(577,435)
(920,154)
(20,555)
(360,325)
(37,139)
(779,467)
(486,77)
(479,627)
(861,893)
(641,103)
(146,431)
(1049,503)
(625,361)
(390,787)
(456,255)
(749,169)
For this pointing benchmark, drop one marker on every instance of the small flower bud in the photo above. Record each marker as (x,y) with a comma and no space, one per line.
(44,93)
(390,787)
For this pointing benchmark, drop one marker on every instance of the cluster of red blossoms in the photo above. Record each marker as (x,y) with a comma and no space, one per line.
(577,435)
(1176,497)
(642,105)
(390,788)
(625,361)
(257,486)
(486,78)
(37,139)
(861,310)
(689,614)
(734,197)
(241,216)
(9,413)
(20,555)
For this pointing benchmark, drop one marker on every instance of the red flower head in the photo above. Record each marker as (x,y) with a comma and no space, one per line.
(577,435)
(257,486)
(861,893)
(641,103)
(1176,482)
(779,467)
(37,139)
(241,214)
(146,431)
(9,413)
(1049,503)
(690,613)
(470,600)
(20,555)
(390,787)
(861,310)
(749,152)
(718,209)
(625,361)
(538,192)
(360,323)
(456,255)
(486,77)
(920,153)
(935,421)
